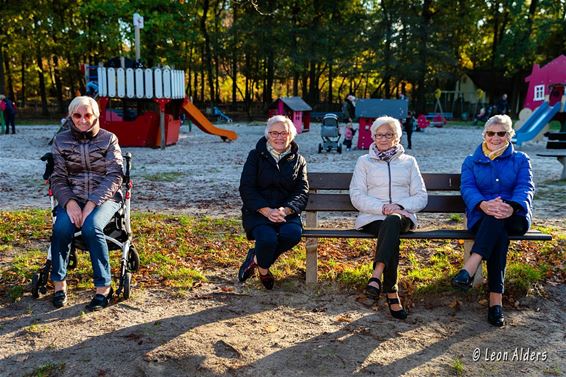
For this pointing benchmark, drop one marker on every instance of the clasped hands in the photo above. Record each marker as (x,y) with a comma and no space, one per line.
(275,215)
(496,208)
(391,208)
(78,215)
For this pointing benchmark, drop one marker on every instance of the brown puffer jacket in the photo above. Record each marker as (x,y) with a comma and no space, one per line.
(88,166)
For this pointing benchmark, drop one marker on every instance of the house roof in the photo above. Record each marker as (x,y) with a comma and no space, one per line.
(373,108)
(296,103)
(553,70)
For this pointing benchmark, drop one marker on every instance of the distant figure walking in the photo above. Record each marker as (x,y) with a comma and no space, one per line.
(9,113)
(502,105)
(349,133)
(408,125)
(349,108)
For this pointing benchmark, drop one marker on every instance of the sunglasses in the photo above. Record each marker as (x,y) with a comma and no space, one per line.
(498,133)
(88,116)
(386,136)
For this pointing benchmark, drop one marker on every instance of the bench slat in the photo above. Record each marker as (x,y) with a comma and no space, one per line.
(532,235)
(341,181)
(342,203)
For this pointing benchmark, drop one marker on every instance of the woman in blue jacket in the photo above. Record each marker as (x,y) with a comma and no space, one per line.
(274,191)
(497,187)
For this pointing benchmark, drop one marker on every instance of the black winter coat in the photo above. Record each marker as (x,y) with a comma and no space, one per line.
(266,183)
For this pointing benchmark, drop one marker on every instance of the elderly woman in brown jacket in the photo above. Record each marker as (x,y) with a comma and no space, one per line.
(86,184)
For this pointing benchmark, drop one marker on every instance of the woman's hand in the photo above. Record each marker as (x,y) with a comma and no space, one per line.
(402,212)
(89,207)
(275,215)
(496,208)
(390,208)
(74,212)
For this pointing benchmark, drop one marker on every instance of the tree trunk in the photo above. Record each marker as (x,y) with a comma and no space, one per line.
(207,53)
(2,81)
(58,84)
(426,17)
(41,75)
(23,90)
(330,78)
(10,84)
(270,72)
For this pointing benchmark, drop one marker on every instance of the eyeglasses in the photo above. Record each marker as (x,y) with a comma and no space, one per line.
(88,116)
(498,133)
(384,136)
(277,134)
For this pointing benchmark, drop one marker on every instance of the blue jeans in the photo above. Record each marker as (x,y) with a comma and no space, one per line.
(93,236)
(274,239)
(492,243)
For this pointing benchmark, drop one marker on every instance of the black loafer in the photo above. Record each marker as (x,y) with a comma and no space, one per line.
(59,299)
(99,301)
(495,315)
(399,314)
(267,280)
(462,280)
(248,267)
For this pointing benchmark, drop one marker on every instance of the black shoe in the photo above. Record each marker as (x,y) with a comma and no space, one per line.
(248,267)
(495,315)
(267,280)
(371,291)
(99,301)
(399,314)
(462,280)
(59,299)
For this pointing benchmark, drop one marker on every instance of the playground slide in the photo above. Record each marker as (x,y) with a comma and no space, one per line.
(536,122)
(204,124)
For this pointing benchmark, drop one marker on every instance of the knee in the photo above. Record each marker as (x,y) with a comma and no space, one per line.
(64,229)
(393,220)
(292,235)
(265,240)
(90,231)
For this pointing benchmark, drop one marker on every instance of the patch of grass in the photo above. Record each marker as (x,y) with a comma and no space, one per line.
(48,370)
(522,276)
(182,277)
(171,176)
(458,367)
(35,328)
(16,293)
(456,218)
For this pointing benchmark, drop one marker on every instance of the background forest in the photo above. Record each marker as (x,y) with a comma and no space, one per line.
(249,52)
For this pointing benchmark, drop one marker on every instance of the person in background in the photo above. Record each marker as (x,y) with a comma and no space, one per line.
(497,187)
(502,106)
(387,189)
(86,184)
(408,125)
(9,114)
(349,108)
(349,133)
(274,191)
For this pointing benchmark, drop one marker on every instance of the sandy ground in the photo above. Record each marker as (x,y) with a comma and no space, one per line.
(224,328)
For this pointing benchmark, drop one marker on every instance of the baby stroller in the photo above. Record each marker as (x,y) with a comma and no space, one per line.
(330,133)
(118,234)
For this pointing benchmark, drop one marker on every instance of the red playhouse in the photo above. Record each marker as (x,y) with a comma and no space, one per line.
(367,110)
(296,109)
(142,106)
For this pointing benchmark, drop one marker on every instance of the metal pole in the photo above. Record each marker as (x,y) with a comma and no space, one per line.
(137,42)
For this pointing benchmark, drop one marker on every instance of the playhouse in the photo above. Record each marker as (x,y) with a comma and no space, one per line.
(367,110)
(548,80)
(296,109)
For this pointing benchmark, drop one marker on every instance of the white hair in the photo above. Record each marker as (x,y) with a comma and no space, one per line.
(290,127)
(391,122)
(503,120)
(84,101)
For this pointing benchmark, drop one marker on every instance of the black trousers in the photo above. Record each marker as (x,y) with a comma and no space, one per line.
(387,250)
(492,243)
(409,132)
(10,120)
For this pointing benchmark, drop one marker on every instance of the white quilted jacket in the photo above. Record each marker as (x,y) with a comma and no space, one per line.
(375,183)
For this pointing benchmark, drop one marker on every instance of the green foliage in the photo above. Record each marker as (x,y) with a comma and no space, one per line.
(48,370)
(458,367)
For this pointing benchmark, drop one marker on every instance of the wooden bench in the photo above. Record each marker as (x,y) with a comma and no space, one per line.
(443,197)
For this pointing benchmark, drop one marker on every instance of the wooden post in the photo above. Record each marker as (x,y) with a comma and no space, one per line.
(477,278)
(312,249)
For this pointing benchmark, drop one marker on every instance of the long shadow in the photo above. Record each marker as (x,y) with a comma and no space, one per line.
(143,338)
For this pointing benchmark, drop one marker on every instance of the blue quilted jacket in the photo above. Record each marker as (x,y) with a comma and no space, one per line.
(508,176)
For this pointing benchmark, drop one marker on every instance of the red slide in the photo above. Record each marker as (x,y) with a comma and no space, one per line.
(204,124)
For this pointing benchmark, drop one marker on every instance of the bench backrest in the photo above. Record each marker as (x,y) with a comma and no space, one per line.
(443,193)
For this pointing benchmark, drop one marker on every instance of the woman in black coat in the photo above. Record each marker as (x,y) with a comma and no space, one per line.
(274,191)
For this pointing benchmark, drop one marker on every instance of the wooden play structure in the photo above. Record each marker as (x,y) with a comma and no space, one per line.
(295,109)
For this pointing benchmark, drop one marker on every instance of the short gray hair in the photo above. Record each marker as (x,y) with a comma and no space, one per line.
(392,122)
(84,101)
(281,119)
(503,120)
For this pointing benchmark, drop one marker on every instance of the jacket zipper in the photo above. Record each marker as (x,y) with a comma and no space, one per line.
(389,171)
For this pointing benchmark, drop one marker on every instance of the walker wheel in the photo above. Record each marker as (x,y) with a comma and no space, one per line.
(133,260)
(35,285)
(127,284)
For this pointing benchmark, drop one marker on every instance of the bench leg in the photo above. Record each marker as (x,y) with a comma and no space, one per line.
(312,260)
(467,250)
(563,162)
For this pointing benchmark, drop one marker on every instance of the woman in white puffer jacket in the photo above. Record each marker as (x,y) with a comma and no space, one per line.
(388,189)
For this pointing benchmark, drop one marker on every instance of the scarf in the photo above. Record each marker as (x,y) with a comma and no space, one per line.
(388,154)
(276,155)
(492,155)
